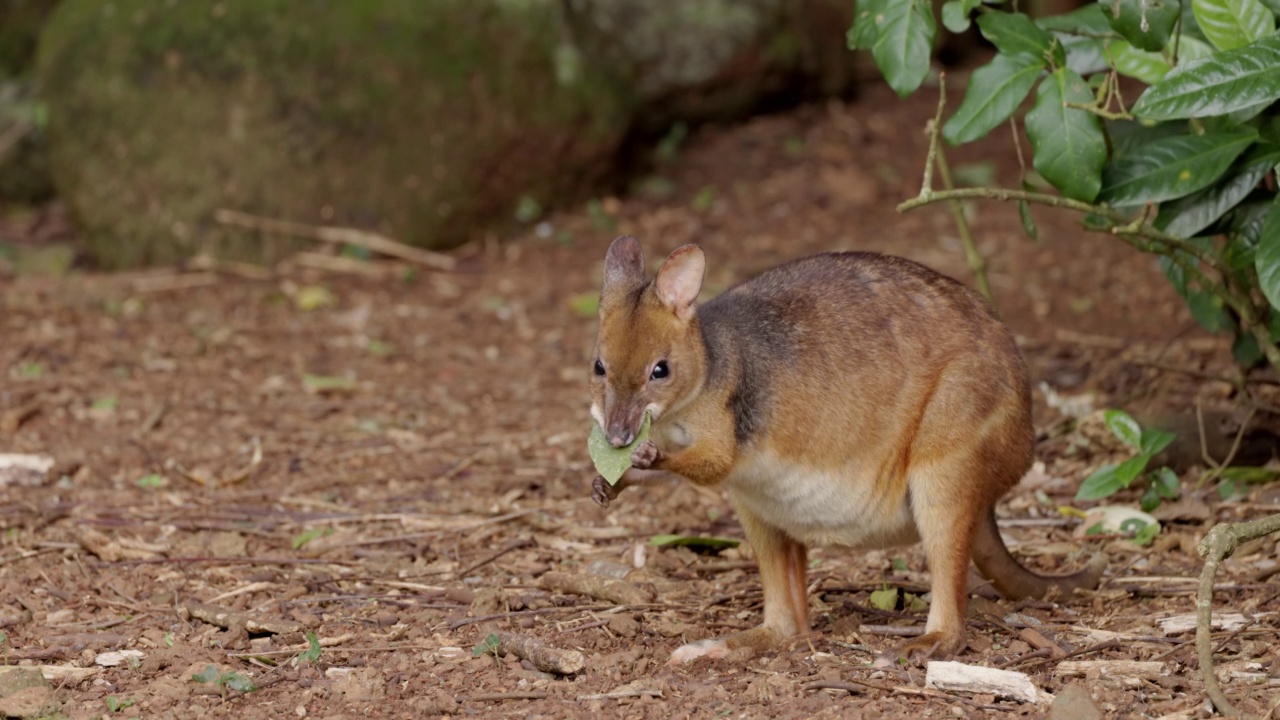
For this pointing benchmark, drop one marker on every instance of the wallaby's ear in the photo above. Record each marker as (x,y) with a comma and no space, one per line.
(680,280)
(623,264)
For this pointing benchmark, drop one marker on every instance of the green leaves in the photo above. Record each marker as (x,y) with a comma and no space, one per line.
(995,91)
(1145,23)
(1015,34)
(904,42)
(1068,143)
(612,462)
(1109,479)
(955,14)
(1228,81)
(1149,67)
(1230,24)
(862,35)
(1267,258)
(1172,167)
(1187,216)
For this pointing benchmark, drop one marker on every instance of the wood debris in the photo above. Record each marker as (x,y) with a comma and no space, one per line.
(621,592)
(959,677)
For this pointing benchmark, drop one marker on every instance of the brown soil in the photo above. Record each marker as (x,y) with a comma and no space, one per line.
(450,474)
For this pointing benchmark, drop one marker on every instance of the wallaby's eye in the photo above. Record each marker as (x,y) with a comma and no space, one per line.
(660,370)
(599,368)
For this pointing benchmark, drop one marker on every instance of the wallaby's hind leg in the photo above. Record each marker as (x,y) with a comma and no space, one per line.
(783,571)
(945,506)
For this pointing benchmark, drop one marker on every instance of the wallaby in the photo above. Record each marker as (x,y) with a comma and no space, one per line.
(849,399)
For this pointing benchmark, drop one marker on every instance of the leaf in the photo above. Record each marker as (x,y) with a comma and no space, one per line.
(1122,425)
(862,34)
(1145,23)
(320,384)
(1250,475)
(1187,216)
(1129,470)
(240,683)
(151,481)
(1208,310)
(1154,440)
(489,645)
(1230,24)
(1146,533)
(1246,351)
(1267,257)
(995,91)
(1014,34)
(1166,483)
(904,42)
(1172,167)
(307,536)
(1090,19)
(585,304)
(210,674)
(1149,67)
(1069,148)
(886,599)
(1226,82)
(1191,49)
(1101,483)
(312,653)
(612,462)
(695,542)
(955,14)
(313,297)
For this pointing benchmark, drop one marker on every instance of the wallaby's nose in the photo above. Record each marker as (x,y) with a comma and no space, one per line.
(621,438)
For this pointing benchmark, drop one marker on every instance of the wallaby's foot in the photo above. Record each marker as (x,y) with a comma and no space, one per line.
(645,455)
(930,646)
(714,649)
(602,492)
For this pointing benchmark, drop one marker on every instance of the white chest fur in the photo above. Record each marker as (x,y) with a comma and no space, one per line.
(843,507)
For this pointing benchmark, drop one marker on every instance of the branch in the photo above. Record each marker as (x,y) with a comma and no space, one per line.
(1221,541)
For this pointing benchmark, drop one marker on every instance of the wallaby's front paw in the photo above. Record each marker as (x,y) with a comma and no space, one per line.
(645,455)
(602,492)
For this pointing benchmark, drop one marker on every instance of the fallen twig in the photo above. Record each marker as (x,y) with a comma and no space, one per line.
(516,545)
(620,592)
(339,235)
(544,657)
(455,624)
(498,697)
(224,618)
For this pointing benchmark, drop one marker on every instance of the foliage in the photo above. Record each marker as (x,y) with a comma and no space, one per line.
(1187,171)
(1106,481)
(224,680)
(313,651)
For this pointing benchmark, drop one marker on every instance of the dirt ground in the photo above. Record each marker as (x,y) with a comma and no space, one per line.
(399,469)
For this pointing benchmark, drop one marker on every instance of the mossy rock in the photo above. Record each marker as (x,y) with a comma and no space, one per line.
(421,120)
(427,121)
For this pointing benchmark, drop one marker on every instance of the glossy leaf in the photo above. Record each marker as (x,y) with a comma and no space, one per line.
(955,14)
(1171,167)
(612,462)
(1230,24)
(1154,440)
(1122,425)
(1145,23)
(1149,67)
(862,34)
(1014,34)
(1189,215)
(1192,49)
(995,91)
(1226,82)
(1067,143)
(1267,256)
(904,42)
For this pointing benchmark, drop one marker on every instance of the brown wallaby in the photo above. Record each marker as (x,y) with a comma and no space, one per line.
(849,399)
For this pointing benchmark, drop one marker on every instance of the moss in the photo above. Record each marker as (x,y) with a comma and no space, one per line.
(424,125)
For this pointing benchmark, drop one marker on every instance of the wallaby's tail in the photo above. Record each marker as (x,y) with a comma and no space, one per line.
(1016,582)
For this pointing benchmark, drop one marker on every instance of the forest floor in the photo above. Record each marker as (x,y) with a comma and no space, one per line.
(398,468)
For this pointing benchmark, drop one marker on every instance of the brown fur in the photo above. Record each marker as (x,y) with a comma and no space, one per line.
(850,398)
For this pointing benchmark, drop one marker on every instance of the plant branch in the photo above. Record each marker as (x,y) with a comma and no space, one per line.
(977,264)
(1109,213)
(1220,543)
(926,186)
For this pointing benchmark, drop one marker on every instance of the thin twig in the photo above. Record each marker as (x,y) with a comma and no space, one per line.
(338,235)
(977,264)
(516,545)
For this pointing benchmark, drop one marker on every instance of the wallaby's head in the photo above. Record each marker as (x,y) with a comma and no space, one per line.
(649,355)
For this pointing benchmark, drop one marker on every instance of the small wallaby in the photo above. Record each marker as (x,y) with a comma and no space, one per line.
(849,399)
